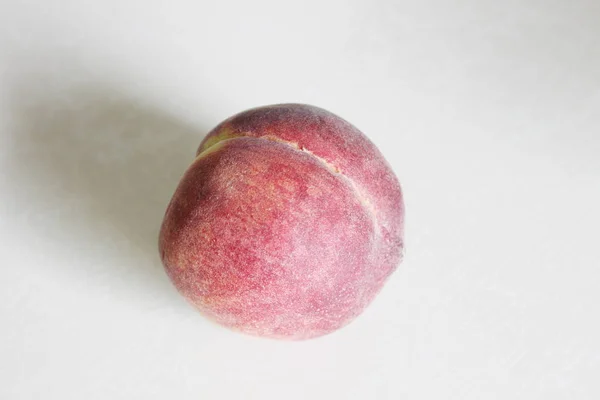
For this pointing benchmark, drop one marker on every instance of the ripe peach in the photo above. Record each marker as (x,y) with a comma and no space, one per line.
(286,225)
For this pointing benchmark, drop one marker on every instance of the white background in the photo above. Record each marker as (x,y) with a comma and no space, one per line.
(488,111)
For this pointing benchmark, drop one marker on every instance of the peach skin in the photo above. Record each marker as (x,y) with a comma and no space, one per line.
(286,225)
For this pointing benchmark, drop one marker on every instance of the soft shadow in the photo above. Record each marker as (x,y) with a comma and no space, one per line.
(102,167)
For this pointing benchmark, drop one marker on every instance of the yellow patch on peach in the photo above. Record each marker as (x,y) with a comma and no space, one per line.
(225,134)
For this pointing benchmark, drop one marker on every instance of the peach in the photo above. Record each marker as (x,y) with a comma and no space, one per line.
(286,225)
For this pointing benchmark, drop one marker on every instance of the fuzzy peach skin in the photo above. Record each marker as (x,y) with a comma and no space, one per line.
(286,225)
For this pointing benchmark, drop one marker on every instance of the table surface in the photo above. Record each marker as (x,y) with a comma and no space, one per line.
(487,111)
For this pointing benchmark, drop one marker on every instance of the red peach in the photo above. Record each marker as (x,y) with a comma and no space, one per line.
(286,225)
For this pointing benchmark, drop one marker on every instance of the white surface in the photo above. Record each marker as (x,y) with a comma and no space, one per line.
(487,110)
